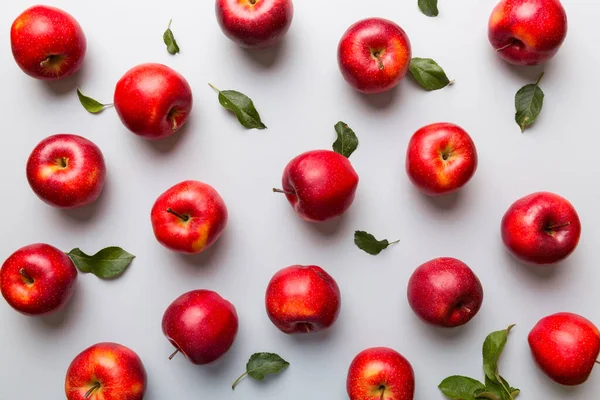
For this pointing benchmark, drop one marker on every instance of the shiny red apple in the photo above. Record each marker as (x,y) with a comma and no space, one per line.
(189,217)
(153,101)
(201,325)
(302,299)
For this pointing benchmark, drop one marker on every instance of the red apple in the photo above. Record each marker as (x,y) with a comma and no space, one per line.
(319,184)
(66,171)
(153,101)
(302,299)
(200,324)
(47,43)
(37,279)
(374,55)
(542,228)
(527,32)
(566,347)
(255,23)
(441,158)
(380,373)
(445,292)
(106,371)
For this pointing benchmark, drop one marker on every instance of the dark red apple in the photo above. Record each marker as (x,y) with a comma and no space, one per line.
(153,101)
(302,299)
(542,228)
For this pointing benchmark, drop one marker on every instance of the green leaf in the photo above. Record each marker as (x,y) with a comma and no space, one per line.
(428,73)
(461,387)
(346,141)
(429,7)
(107,263)
(261,365)
(367,242)
(496,391)
(529,101)
(242,107)
(170,41)
(492,350)
(91,105)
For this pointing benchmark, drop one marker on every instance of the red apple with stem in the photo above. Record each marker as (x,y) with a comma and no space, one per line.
(320,185)
(527,32)
(47,43)
(106,371)
(37,279)
(565,346)
(441,158)
(66,171)
(153,101)
(201,325)
(189,217)
(255,23)
(380,373)
(302,299)
(374,55)
(542,228)
(445,292)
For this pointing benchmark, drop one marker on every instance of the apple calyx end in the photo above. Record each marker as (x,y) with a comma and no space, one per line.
(377,56)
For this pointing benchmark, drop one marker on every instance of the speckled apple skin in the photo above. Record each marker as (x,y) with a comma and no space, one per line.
(43,31)
(153,101)
(207,214)
(201,324)
(377,370)
(524,228)
(323,184)
(53,274)
(425,164)
(302,299)
(257,25)
(117,369)
(445,292)
(537,29)
(360,68)
(566,347)
(76,185)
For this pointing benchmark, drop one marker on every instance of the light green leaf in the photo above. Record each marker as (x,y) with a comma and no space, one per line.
(428,73)
(91,105)
(242,107)
(461,387)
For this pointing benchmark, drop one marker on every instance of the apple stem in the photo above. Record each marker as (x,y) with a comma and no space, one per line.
(184,218)
(238,380)
(92,390)
(25,275)
(597,362)
(467,309)
(174,354)
(275,190)
(507,45)
(554,227)
(382,392)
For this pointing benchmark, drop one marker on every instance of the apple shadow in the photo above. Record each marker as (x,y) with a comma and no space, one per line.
(528,74)
(562,392)
(266,57)
(208,259)
(327,228)
(62,317)
(167,145)
(544,272)
(316,338)
(219,367)
(379,101)
(445,202)
(67,86)
(89,212)
(437,333)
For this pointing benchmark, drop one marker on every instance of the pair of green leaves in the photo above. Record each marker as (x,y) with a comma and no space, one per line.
(529,101)
(428,74)
(429,7)
(242,106)
(106,264)
(495,387)
(262,364)
(368,243)
(170,41)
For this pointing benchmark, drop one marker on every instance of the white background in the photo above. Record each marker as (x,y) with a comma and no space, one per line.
(300,94)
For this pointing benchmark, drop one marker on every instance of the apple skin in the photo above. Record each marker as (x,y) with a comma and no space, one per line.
(566,347)
(66,171)
(204,217)
(302,299)
(201,325)
(320,185)
(257,25)
(153,101)
(445,292)
(53,275)
(441,158)
(380,373)
(374,55)
(47,43)
(527,32)
(542,228)
(116,371)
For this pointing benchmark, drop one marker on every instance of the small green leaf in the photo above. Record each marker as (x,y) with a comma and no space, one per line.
(429,7)
(170,41)
(261,365)
(242,107)
(529,101)
(91,105)
(496,391)
(492,350)
(461,387)
(428,73)
(107,263)
(367,242)
(346,141)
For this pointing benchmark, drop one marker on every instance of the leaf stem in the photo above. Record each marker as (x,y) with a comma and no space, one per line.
(394,242)
(275,190)
(92,390)
(212,86)
(540,79)
(25,275)
(238,380)
(184,218)
(170,21)
(174,354)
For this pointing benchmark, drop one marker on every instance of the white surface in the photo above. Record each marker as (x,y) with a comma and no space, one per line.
(301,95)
